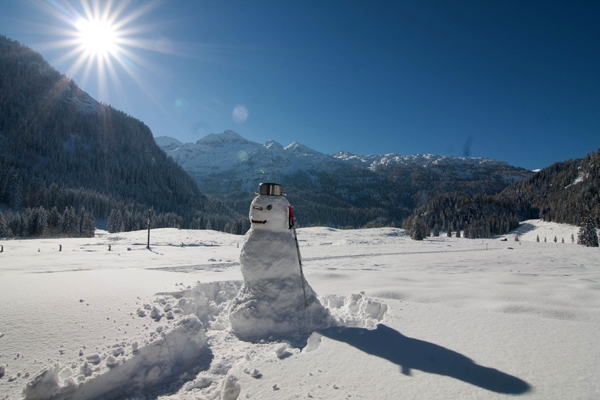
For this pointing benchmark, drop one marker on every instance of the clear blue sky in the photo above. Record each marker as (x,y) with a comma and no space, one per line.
(518,81)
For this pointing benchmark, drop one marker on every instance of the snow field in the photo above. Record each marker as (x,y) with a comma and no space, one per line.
(525,315)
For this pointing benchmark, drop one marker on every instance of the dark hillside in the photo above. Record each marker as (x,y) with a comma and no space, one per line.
(60,148)
(565,192)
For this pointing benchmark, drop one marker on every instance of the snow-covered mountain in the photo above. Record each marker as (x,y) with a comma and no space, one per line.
(343,189)
(227,162)
(228,151)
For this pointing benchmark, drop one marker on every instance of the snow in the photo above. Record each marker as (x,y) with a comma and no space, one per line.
(580,178)
(442,318)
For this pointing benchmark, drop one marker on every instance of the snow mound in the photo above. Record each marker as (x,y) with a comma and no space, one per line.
(175,352)
(355,310)
(235,356)
(209,302)
(183,352)
(280,319)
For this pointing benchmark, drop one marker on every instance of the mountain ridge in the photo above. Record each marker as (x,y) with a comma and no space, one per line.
(217,153)
(346,189)
(373,160)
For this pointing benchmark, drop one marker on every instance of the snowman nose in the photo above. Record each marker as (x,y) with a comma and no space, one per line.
(257,208)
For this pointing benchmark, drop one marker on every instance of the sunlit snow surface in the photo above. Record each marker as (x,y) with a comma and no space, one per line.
(443,318)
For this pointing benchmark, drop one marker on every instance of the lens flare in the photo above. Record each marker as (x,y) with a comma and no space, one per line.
(181,105)
(243,156)
(240,114)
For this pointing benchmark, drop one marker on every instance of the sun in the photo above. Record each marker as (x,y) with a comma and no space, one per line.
(97,37)
(103,42)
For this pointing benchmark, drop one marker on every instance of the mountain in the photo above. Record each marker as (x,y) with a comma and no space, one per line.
(337,190)
(565,192)
(66,156)
(226,162)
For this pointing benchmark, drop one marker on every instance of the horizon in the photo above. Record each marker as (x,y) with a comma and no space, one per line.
(500,80)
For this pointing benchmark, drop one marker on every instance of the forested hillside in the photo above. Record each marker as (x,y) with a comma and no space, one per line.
(355,197)
(66,160)
(565,192)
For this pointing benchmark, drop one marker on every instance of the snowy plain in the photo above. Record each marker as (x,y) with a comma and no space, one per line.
(469,319)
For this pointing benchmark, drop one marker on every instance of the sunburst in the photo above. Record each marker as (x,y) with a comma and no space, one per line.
(101,37)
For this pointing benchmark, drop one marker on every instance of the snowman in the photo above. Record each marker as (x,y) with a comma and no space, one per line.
(275,302)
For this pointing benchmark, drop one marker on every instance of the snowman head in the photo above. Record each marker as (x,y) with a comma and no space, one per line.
(269,213)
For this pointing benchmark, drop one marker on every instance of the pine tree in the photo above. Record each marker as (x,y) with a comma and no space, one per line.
(3,226)
(87,225)
(38,222)
(114,221)
(69,221)
(418,231)
(54,220)
(587,235)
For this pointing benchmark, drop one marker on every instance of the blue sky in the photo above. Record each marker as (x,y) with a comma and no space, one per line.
(517,81)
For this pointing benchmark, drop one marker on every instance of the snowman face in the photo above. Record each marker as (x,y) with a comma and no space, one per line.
(269,213)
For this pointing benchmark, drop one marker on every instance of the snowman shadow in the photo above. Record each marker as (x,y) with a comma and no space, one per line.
(410,353)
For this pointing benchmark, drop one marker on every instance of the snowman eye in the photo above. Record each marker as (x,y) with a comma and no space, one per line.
(269,207)
(257,208)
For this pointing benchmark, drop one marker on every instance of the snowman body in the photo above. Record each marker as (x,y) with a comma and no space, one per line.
(270,304)
(269,249)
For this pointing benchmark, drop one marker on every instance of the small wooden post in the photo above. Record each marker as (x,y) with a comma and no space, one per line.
(149,213)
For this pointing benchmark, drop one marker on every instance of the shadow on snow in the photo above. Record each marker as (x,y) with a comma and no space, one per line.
(410,353)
